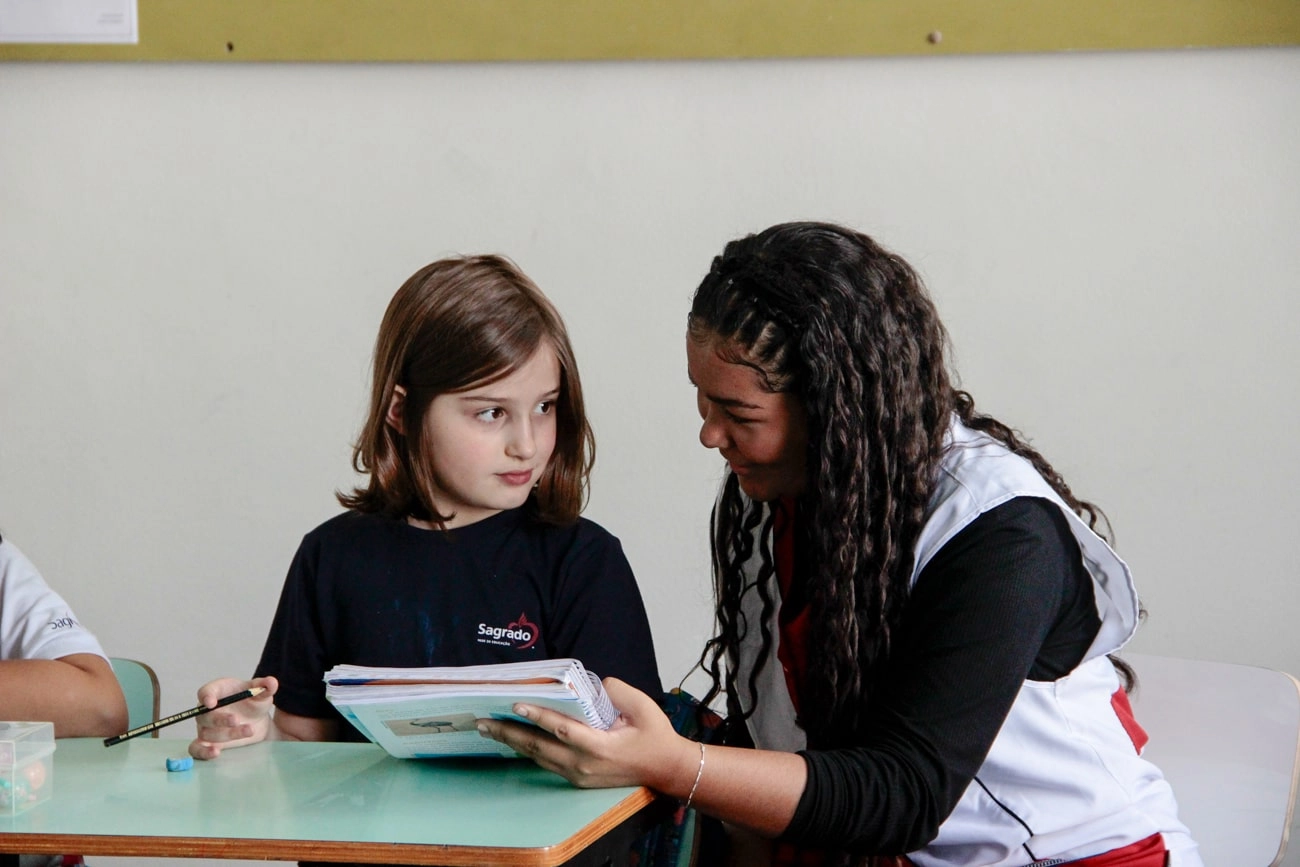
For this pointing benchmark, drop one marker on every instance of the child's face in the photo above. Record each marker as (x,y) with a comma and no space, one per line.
(490,444)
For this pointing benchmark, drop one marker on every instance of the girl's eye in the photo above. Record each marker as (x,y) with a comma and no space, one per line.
(545,407)
(491,414)
(732,417)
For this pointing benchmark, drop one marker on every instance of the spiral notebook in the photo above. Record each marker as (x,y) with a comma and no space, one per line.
(420,713)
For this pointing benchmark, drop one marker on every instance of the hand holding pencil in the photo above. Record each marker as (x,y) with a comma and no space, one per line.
(235,725)
(181,716)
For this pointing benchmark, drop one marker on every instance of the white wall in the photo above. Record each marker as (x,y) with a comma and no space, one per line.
(194,259)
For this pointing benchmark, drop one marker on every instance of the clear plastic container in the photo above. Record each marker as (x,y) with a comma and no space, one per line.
(26,765)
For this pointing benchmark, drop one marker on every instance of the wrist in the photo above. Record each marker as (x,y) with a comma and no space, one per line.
(265,729)
(678,775)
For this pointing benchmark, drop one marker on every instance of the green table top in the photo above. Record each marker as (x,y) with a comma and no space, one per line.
(274,800)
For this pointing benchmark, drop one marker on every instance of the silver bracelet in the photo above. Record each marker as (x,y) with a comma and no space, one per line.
(698,773)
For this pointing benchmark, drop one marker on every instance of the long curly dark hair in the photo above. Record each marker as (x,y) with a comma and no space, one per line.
(826,314)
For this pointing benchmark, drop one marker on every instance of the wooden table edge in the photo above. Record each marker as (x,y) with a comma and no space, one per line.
(262,849)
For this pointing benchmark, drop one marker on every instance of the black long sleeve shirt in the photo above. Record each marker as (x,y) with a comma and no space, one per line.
(1006,600)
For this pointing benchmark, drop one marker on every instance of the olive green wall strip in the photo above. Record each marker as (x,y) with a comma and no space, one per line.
(453,30)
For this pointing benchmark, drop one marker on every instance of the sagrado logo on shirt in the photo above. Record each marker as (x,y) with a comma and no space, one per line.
(520,634)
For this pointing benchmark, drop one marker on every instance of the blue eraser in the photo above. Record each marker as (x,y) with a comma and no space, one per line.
(182,764)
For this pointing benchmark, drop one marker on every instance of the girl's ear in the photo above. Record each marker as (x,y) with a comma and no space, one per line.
(397,410)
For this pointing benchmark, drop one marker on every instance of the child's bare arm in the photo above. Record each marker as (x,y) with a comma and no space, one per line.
(78,693)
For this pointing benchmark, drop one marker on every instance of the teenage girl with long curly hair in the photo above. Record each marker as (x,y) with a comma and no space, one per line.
(915,615)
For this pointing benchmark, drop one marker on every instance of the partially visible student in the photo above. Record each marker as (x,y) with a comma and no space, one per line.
(465,546)
(51,667)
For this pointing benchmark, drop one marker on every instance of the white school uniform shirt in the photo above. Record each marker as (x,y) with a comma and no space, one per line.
(35,622)
(1062,779)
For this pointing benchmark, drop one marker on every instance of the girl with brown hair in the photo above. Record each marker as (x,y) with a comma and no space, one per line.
(465,545)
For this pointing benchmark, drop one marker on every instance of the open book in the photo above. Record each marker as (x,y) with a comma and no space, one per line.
(419,713)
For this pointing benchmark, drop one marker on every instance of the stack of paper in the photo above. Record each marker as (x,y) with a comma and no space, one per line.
(417,713)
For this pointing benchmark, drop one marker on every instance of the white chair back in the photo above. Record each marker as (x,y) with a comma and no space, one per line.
(1227,738)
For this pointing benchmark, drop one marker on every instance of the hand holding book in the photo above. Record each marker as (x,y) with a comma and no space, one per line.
(430,712)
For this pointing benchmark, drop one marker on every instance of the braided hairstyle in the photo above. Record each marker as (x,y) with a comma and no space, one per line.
(826,314)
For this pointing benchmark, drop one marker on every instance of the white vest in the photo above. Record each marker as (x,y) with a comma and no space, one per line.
(1062,779)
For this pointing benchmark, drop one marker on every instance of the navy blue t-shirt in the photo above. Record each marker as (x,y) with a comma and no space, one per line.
(371,590)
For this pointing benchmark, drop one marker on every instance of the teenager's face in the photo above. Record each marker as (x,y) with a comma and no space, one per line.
(762,435)
(490,444)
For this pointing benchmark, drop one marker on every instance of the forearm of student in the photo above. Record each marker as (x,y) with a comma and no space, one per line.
(287,726)
(756,789)
(78,693)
